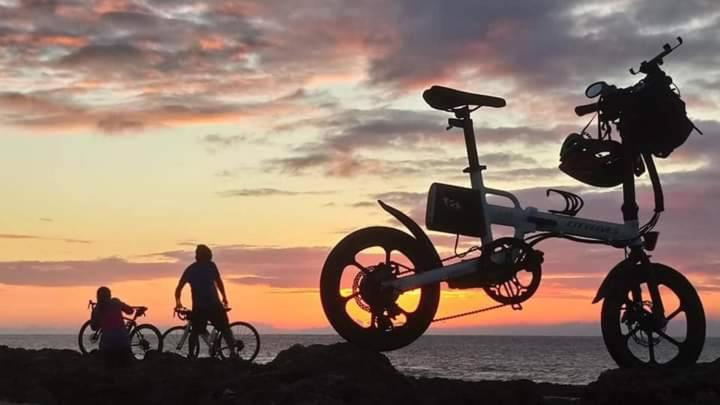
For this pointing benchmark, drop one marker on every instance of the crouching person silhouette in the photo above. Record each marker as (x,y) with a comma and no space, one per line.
(108,317)
(205,281)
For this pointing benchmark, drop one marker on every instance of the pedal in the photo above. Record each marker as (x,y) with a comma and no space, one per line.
(573,202)
(516,307)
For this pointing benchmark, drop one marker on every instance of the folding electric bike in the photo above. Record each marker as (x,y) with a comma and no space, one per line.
(143,338)
(380,286)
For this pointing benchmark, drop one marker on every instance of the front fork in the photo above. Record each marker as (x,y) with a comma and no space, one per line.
(638,255)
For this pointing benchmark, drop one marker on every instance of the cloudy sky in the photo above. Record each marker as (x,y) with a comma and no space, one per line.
(132,130)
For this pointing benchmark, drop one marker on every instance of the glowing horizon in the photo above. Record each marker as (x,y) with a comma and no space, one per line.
(130,131)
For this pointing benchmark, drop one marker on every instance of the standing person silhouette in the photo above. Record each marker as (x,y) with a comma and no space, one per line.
(205,281)
(108,317)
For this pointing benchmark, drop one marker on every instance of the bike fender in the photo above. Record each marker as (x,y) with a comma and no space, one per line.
(414,229)
(622,272)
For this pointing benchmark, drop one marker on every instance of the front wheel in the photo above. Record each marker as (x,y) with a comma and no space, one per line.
(247,342)
(145,338)
(177,340)
(356,303)
(635,338)
(88,339)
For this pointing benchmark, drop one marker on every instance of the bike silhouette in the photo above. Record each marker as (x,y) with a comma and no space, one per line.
(176,339)
(380,286)
(143,338)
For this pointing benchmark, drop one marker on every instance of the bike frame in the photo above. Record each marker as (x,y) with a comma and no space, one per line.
(530,219)
(204,336)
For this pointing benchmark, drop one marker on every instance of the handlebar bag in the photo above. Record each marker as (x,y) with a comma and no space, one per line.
(655,121)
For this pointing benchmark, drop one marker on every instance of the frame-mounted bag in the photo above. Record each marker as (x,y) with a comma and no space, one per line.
(454,209)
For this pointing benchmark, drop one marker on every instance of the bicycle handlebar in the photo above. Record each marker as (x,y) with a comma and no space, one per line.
(182,313)
(647,66)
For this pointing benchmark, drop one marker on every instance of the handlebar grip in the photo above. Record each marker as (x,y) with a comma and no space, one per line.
(586,109)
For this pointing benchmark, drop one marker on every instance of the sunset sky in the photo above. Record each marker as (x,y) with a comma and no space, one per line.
(130,131)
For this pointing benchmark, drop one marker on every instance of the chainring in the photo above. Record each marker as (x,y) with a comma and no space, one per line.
(503,260)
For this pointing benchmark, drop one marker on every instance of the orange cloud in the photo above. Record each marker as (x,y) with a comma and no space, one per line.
(212,43)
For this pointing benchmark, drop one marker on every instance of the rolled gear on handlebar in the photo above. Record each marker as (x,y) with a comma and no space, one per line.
(586,109)
(649,115)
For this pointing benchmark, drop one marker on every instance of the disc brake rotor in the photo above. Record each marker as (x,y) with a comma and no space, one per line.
(639,321)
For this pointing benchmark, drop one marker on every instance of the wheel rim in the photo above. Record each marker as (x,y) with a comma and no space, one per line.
(356,304)
(644,341)
(175,341)
(143,340)
(89,339)
(247,341)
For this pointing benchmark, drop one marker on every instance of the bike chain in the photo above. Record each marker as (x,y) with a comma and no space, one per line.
(477,311)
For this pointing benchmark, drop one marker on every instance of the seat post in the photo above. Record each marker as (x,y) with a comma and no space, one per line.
(463,116)
(474,168)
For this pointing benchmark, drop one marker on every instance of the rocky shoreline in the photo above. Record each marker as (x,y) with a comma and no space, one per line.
(318,374)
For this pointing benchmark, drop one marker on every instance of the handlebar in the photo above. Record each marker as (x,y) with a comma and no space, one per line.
(647,66)
(139,310)
(586,109)
(183,313)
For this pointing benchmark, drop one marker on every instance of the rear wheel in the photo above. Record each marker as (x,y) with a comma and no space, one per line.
(635,338)
(356,303)
(177,340)
(88,339)
(145,338)
(247,342)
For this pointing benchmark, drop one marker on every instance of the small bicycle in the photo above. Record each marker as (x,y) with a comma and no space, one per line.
(143,338)
(176,339)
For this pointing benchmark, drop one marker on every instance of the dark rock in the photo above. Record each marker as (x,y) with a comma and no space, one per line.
(699,384)
(333,374)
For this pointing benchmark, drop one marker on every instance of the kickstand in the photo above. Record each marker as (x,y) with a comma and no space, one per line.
(517,307)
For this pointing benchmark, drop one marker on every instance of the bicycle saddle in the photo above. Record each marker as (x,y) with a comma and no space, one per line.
(447,99)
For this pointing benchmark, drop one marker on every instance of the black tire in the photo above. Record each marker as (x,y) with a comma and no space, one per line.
(145,338)
(173,342)
(335,305)
(88,339)
(629,349)
(247,342)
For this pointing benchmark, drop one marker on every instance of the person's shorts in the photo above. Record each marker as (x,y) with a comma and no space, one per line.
(216,315)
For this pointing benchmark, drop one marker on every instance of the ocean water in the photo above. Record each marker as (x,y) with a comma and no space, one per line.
(555,359)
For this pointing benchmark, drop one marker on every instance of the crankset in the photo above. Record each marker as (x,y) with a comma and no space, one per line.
(509,270)
(514,269)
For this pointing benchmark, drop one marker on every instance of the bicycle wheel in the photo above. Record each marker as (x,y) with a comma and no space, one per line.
(145,338)
(247,341)
(356,303)
(632,335)
(88,339)
(177,340)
